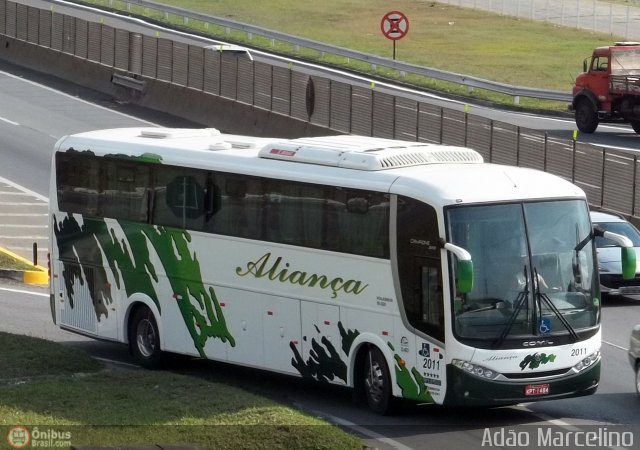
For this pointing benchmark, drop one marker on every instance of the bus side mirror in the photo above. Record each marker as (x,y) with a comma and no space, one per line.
(464,268)
(465,276)
(627,252)
(628,263)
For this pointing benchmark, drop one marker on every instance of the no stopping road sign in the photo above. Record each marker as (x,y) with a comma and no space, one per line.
(394,25)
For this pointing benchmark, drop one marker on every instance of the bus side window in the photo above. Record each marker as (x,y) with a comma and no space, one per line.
(77,183)
(231,218)
(294,214)
(363,224)
(431,300)
(124,193)
(180,198)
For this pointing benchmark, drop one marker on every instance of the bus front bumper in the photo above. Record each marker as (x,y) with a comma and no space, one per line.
(466,389)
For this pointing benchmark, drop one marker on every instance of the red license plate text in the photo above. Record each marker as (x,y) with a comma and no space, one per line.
(536,389)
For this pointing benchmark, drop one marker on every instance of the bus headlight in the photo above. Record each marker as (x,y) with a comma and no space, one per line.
(587,362)
(475,369)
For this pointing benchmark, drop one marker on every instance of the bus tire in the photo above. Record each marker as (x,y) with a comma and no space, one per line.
(376,382)
(144,338)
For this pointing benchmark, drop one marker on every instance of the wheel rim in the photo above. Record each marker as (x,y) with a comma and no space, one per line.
(146,338)
(374,382)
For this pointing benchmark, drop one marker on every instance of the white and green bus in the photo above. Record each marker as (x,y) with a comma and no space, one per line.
(401,269)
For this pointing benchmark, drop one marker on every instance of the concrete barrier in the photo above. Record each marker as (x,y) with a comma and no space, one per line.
(197,106)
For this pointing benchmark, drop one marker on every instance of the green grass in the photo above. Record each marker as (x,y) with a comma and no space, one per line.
(9,262)
(45,385)
(24,357)
(466,41)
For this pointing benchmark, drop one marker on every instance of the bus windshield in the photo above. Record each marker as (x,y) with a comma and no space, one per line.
(534,272)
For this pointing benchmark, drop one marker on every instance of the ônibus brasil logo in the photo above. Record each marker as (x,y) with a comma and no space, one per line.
(18,437)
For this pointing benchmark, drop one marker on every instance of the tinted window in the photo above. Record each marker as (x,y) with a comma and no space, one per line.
(302,214)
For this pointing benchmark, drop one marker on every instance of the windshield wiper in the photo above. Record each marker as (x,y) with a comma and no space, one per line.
(542,296)
(518,303)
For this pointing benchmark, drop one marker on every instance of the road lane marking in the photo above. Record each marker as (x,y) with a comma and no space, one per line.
(360,429)
(24,189)
(21,204)
(21,291)
(567,426)
(614,345)
(2,225)
(9,121)
(64,94)
(23,237)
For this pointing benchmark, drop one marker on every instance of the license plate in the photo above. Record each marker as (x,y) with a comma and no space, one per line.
(536,389)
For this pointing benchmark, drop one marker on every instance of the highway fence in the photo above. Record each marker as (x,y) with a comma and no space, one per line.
(608,176)
(168,14)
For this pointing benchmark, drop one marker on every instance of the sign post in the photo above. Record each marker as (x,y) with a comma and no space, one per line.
(394,25)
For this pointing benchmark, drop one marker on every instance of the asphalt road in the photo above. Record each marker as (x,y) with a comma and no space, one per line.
(36,116)
(25,310)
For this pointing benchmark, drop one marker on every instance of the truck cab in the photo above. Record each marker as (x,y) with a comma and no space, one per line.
(608,89)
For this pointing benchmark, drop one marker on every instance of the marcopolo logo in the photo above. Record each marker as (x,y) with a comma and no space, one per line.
(18,437)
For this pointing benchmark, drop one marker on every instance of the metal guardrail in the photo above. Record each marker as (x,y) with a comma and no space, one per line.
(470,82)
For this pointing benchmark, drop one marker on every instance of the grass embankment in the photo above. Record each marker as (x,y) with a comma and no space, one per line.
(47,385)
(9,262)
(466,41)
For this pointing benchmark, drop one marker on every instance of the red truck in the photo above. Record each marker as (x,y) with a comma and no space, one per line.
(608,90)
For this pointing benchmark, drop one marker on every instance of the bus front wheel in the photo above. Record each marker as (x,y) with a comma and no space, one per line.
(144,338)
(377,382)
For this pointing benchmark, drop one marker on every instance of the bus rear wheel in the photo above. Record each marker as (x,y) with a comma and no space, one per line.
(144,338)
(377,382)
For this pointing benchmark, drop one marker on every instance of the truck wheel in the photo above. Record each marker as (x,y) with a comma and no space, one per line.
(586,116)
(635,124)
(144,338)
(377,382)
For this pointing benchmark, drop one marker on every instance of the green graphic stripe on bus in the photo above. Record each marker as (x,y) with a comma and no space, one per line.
(276,271)
(131,261)
(534,361)
(86,265)
(412,383)
(347,337)
(183,272)
(136,268)
(324,362)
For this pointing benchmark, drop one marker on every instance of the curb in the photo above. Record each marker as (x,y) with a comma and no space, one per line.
(39,276)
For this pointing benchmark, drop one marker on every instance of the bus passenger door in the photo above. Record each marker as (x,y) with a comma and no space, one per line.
(426,312)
